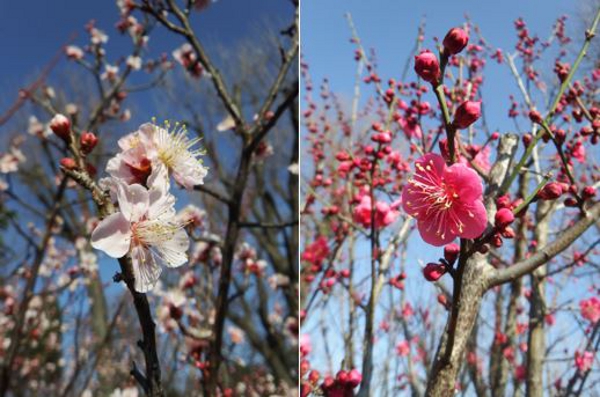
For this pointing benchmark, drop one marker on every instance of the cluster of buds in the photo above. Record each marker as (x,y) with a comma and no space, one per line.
(502,220)
(398,281)
(61,127)
(343,384)
(434,271)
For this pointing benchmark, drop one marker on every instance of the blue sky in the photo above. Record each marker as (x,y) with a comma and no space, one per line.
(390,27)
(31,32)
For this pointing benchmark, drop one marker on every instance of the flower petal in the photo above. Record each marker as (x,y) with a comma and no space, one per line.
(173,252)
(465,182)
(145,269)
(113,235)
(474,219)
(435,233)
(133,201)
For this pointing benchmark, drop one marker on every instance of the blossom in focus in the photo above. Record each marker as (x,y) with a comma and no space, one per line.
(446,201)
(146,227)
(590,309)
(151,146)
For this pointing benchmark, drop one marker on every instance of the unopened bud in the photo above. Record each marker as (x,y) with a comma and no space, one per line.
(455,41)
(61,126)
(466,114)
(68,163)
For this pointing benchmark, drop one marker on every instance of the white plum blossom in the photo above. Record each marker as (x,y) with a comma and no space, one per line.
(134,62)
(152,146)
(110,72)
(74,52)
(145,227)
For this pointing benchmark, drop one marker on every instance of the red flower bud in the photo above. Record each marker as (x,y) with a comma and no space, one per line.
(68,163)
(88,141)
(551,191)
(503,201)
(61,126)
(354,378)
(570,202)
(535,116)
(588,192)
(466,114)
(495,135)
(451,252)
(504,217)
(427,66)
(342,377)
(527,139)
(455,41)
(433,271)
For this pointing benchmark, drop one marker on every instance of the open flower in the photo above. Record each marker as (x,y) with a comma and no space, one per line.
(145,227)
(151,146)
(446,201)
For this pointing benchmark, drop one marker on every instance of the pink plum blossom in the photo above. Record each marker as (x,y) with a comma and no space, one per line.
(590,309)
(446,201)
(384,213)
(584,361)
(145,227)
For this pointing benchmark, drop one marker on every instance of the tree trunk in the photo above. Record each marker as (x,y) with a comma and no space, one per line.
(537,314)
(448,360)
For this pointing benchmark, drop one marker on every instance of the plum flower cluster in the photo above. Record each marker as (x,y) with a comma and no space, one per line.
(146,225)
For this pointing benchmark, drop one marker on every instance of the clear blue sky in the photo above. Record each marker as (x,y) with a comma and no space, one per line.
(32,31)
(390,27)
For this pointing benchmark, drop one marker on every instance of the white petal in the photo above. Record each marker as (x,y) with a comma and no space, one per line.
(189,173)
(133,201)
(173,252)
(145,269)
(113,235)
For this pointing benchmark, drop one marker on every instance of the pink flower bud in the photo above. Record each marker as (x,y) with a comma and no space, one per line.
(354,378)
(88,141)
(466,114)
(451,252)
(433,271)
(494,136)
(455,41)
(427,66)
(535,116)
(503,201)
(551,191)
(504,217)
(61,126)
(68,163)
(588,192)
(342,377)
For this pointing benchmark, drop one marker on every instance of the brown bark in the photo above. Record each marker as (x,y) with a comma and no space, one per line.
(536,340)
(450,354)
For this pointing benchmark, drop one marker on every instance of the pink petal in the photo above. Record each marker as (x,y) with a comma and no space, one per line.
(436,231)
(465,182)
(113,235)
(133,201)
(435,161)
(474,219)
